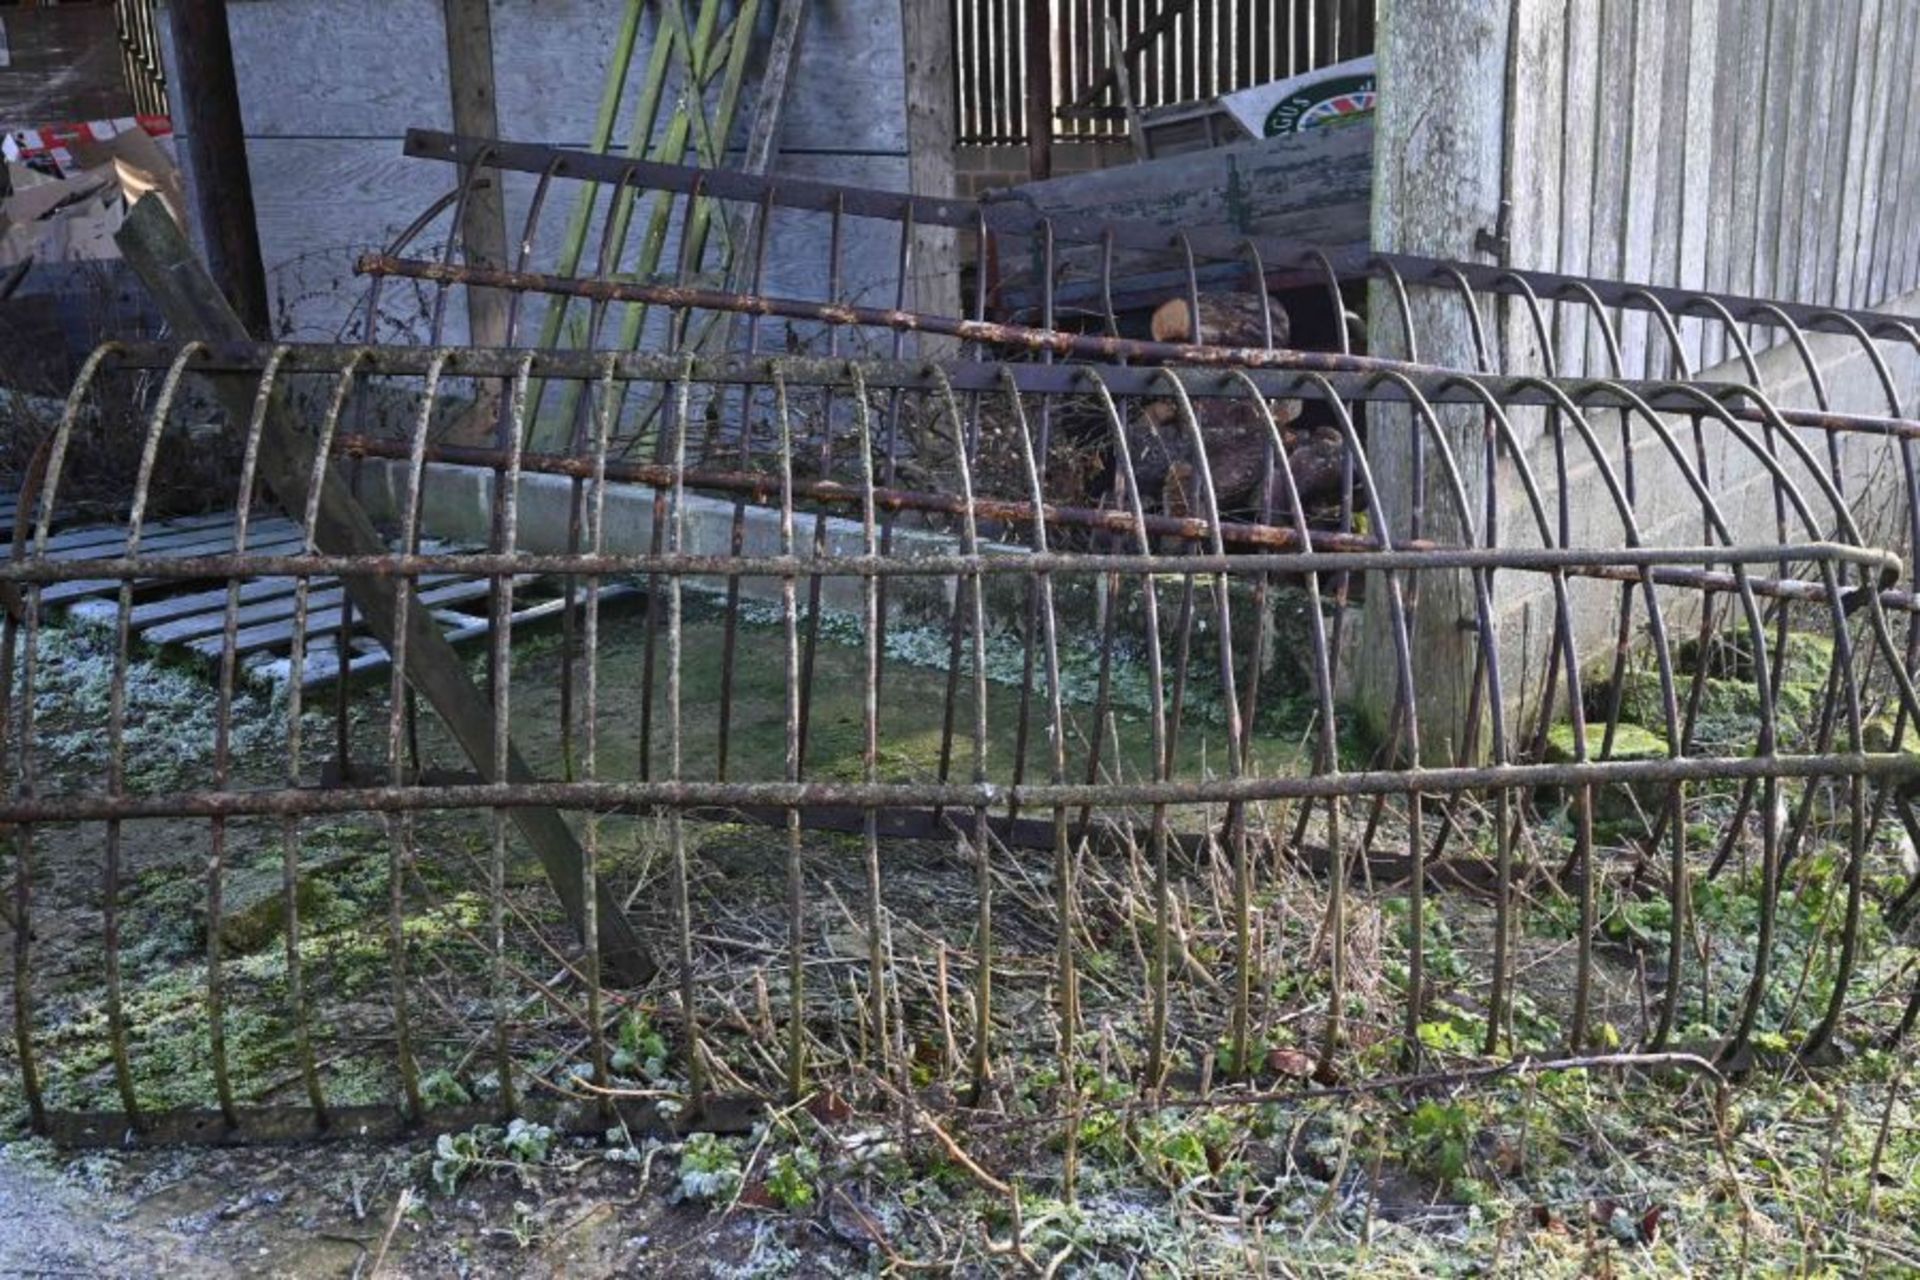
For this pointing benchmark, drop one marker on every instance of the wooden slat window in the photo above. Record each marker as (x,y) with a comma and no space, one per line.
(1183,50)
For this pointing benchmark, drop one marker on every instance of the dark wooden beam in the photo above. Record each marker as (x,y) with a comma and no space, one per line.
(1039,29)
(154,247)
(483,232)
(206,104)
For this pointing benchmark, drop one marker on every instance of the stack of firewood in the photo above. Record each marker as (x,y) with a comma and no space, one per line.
(1235,431)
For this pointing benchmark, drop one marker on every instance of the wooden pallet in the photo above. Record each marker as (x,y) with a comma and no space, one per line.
(189,618)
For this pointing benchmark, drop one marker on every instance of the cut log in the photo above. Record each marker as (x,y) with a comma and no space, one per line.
(1226,320)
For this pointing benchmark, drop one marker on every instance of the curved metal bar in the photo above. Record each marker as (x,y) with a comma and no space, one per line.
(117,748)
(1157,722)
(467,184)
(400,826)
(980,838)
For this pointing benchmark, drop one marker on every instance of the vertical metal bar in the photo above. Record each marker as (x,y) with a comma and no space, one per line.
(835,240)
(796,870)
(590,755)
(738,532)
(298,1012)
(47,478)
(1066,892)
(877,948)
(676,827)
(975,588)
(506,503)
(223,741)
(1157,717)
(400,825)
(1246,962)
(117,751)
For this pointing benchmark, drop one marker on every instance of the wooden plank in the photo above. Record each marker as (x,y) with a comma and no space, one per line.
(277,634)
(172,607)
(1904,227)
(1896,121)
(1771,108)
(1534,187)
(1674,35)
(211,617)
(1698,169)
(154,246)
(1038,16)
(1719,187)
(1310,187)
(1860,273)
(207,541)
(1793,139)
(79,588)
(483,231)
(1580,54)
(1826,53)
(323,667)
(1748,39)
(1640,339)
(928,38)
(216,147)
(1608,180)
(91,535)
(1853,174)
(1841,141)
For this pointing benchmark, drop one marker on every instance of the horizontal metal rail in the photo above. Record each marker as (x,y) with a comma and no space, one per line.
(1013,217)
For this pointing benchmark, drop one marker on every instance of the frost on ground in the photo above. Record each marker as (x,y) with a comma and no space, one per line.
(170,711)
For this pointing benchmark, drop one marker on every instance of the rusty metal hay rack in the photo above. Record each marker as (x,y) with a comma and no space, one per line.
(922,498)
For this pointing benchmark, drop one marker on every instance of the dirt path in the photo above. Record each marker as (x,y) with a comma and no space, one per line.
(48,1228)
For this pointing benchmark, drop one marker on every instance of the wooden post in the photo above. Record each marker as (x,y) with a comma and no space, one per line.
(1437,184)
(193,307)
(1039,28)
(927,37)
(483,231)
(1123,88)
(206,105)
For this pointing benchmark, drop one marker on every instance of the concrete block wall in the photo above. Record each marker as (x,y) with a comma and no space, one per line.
(1669,512)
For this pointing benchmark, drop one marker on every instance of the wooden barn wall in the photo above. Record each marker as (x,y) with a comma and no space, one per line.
(1762,147)
(1744,146)
(329,88)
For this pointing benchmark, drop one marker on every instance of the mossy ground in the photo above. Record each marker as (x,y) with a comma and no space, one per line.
(1560,1172)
